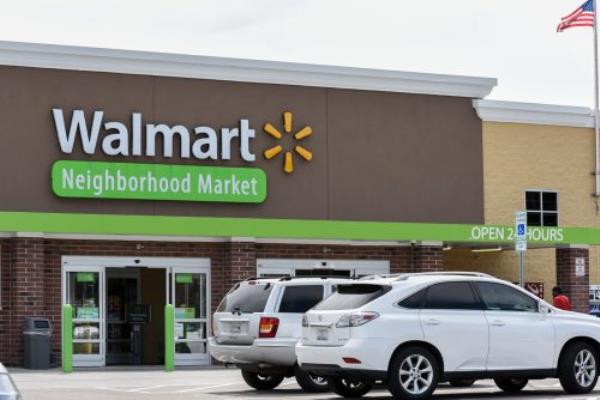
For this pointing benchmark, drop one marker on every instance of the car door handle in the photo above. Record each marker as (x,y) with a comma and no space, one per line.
(498,323)
(432,321)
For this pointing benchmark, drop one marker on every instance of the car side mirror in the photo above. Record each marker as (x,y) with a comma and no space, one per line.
(544,308)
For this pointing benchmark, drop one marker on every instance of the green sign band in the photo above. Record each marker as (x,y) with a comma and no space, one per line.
(106,180)
(110,224)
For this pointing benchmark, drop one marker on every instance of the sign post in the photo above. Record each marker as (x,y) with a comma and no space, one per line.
(521,242)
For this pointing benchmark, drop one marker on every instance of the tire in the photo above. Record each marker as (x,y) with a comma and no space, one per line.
(414,374)
(310,383)
(261,382)
(511,385)
(350,388)
(461,383)
(572,381)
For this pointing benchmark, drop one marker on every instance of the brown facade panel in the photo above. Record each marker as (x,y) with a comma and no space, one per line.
(414,156)
(376,156)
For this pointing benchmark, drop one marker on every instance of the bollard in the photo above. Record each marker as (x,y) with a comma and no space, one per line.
(67,338)
(169,337)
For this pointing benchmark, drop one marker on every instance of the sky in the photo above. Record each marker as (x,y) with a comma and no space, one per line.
(512,40)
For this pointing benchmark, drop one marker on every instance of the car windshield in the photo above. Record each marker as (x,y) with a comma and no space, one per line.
(246,297)
(349,297)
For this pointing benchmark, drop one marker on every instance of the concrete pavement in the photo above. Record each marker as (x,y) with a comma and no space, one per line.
(220,383)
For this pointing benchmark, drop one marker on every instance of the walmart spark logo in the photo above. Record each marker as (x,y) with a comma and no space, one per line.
(272,152)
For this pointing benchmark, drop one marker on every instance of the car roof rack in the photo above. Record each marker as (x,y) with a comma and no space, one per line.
(406,276)
(290,278)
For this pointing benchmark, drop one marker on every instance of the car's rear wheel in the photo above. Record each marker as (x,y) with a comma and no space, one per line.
(350,388)
(578,368)
(460,383)
(414,374)
(260,381)
(511,385)
(310,383)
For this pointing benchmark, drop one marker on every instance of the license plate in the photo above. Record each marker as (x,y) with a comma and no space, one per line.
(236,328)
(323,334)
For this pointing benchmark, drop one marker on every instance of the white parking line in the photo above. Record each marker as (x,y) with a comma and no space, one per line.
(205,387)
(143,389)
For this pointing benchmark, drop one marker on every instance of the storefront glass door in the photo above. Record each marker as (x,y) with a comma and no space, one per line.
(190,295)
(84,290)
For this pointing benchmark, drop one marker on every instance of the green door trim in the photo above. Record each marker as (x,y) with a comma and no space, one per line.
(111,224)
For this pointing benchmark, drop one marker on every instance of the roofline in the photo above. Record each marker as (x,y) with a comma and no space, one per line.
(239,70)
(533,113)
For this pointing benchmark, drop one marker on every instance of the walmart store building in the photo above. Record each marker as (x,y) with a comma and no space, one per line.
(133,180)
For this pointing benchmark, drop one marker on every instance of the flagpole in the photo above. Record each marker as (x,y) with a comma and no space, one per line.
(596,104)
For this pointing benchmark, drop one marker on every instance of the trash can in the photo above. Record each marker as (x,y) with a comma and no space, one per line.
(37,337)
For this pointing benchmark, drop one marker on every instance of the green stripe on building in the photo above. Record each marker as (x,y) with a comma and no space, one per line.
(109,224)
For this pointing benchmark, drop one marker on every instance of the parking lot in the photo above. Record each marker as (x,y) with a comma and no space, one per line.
(218,383)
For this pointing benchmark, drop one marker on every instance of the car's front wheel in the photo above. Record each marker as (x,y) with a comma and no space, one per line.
(310,383)
(578,368)
(414,374)
(260,381)
(511,385)
(350,388)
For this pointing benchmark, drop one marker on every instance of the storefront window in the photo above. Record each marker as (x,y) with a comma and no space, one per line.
(190,331)
(86,348)
(84,295)
(190,292)
(542,208)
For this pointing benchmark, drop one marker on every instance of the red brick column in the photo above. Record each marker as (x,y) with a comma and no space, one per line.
(575,287)
(427,257)
(27,290)
(239,262)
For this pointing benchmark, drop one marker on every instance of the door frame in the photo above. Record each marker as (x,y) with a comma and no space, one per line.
(101,263)
(80,360)
(193,359)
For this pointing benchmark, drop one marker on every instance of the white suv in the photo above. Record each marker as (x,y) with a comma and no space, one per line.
(413,331)
(258,324)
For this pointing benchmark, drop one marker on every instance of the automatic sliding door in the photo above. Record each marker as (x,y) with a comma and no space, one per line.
(84,290)
(190,297)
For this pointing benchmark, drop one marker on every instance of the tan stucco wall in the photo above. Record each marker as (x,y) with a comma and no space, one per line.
(523,156)
(518,157)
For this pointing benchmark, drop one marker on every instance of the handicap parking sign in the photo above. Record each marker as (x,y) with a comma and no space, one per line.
(521,231)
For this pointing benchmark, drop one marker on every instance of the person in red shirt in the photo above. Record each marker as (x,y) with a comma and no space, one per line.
(560,300)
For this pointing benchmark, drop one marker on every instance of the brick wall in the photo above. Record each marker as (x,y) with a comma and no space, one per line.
(428,259)
(31,271)
(400,257)
(576,288)
(8,332)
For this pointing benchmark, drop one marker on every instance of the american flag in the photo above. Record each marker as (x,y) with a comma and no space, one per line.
(583,16)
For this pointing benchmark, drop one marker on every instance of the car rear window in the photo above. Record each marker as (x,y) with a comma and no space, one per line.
(246,297)
(300,299)
(349,297)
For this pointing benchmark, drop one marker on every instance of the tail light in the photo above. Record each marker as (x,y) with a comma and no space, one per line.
(356,319)
(268,327)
